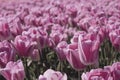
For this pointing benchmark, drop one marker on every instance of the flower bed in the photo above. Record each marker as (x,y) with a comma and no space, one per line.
(60,40)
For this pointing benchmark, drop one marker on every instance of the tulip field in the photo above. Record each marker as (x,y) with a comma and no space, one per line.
(59,39)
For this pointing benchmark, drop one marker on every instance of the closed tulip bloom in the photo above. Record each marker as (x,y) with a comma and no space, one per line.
(35,56)
(55,38)
(88,47)
(61,50)
(29,19)
(23,13)
(97,74)
(52,75)
(43,38)
(101,31)
(115,38)
(13,71)
(23,45)
(73,58)
(7,53)
(15,27)
(4,31)
(71,10)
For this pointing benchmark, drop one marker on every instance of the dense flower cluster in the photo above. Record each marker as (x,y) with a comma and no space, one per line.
(58,38)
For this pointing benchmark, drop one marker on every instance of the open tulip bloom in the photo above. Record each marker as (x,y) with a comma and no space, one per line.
(52,75)
(13,71)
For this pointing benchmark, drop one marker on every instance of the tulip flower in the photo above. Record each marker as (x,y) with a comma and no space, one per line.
(5,33)
(23,45)
(115,70)
(101,31)
(29,19)
(115,38)
(7,53)
(71,10)
(55,38)
(52,75)
(73,57)
(13,71)
(88,47)
(61,50)
(35,56)
(97,74)
(37,35)
(76,35)
(16,27)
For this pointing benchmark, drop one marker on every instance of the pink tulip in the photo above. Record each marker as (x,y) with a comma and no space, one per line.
(36,11)
(57,28)
(115,70)
(101,31)
(35,56)
(23,13)
(13,71)
(76,35)
(97,74)
(15,27)
(88,47)
(115,38)
(62,19)
(73,58)
(71,10)
(52,75)
(23,45)
(61,47)
(29,19)
(41,77)
(7,53)
(4,31)
(55,38)
(37,35)
(107,68)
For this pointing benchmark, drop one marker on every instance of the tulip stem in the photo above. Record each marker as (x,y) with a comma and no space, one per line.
(27,69)
(78,75)
(60,66)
